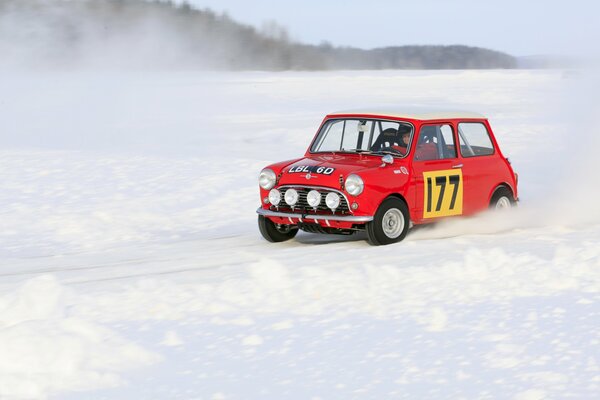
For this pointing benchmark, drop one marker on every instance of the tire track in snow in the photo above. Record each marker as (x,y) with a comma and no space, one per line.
(152,265)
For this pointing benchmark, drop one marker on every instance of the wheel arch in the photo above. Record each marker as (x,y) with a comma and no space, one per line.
(499,186)
(398,196)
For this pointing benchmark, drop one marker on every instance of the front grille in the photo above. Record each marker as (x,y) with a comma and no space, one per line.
(302,206)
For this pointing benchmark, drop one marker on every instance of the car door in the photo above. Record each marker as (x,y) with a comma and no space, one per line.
(437,173)
(478,159)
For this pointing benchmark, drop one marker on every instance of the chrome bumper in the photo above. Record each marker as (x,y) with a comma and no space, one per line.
(343,218)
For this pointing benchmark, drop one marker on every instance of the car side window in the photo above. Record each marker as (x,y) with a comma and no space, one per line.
(436,142)
(449,148)
(474,139)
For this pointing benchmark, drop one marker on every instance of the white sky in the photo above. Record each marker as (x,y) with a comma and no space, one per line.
(518,27)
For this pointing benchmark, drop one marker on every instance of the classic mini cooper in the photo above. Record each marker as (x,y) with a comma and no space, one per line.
(382,172)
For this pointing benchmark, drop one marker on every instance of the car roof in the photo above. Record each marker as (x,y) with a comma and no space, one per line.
(416,113)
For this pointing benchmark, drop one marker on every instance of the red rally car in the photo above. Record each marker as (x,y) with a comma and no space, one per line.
(383,171)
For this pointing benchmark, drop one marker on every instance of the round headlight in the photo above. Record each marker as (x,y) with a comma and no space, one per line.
(291,196)
(274,197)
(332,200)
(267,179)
(313,198)
(354,184)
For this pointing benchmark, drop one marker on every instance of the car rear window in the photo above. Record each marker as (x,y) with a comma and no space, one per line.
(474,140)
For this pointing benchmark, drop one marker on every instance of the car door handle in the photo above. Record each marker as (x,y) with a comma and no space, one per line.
(457,166)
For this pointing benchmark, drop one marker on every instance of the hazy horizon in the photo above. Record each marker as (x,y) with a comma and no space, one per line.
(520,29)
(43,34)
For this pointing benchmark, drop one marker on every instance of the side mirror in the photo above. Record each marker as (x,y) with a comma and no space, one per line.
(387,159)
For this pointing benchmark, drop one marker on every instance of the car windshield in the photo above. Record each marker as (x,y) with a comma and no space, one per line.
(354,135)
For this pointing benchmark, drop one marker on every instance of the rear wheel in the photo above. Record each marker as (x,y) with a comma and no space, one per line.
(275,232)
(502,199)
(390,223)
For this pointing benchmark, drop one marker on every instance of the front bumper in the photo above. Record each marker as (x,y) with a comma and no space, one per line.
(302,217)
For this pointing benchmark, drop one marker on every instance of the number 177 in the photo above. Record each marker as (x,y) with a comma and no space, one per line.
(439,201)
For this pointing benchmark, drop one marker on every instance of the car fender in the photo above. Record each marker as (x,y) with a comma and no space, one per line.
(377,190)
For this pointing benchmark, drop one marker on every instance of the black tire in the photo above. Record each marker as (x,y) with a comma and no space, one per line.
(273,233)
(390,224)
(502,199)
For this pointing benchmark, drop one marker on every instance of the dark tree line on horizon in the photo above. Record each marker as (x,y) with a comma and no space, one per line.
(161,34)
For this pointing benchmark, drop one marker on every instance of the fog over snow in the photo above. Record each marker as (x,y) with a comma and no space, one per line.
(131,265)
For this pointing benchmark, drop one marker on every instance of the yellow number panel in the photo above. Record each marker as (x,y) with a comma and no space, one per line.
(443,193)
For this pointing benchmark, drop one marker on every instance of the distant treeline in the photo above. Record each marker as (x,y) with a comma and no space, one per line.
(117,33)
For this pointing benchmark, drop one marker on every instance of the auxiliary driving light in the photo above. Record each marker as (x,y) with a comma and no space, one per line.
(291,197)
(313,198)
(332,200)
(275,197)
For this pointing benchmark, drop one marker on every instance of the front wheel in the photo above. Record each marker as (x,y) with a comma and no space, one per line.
(390,224)
(275,233)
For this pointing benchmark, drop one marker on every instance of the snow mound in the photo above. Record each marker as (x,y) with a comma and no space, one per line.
(45,350)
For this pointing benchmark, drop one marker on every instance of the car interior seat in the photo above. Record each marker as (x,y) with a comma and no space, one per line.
(427,148)
(388,138)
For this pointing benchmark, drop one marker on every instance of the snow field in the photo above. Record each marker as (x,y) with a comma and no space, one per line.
(132,267)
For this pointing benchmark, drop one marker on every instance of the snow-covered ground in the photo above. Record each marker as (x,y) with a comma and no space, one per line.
(131,266)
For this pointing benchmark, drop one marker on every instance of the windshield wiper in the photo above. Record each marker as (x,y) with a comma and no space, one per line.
(359,151)
(390,152)
(385,152)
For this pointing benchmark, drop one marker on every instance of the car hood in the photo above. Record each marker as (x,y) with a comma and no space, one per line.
(326,169)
